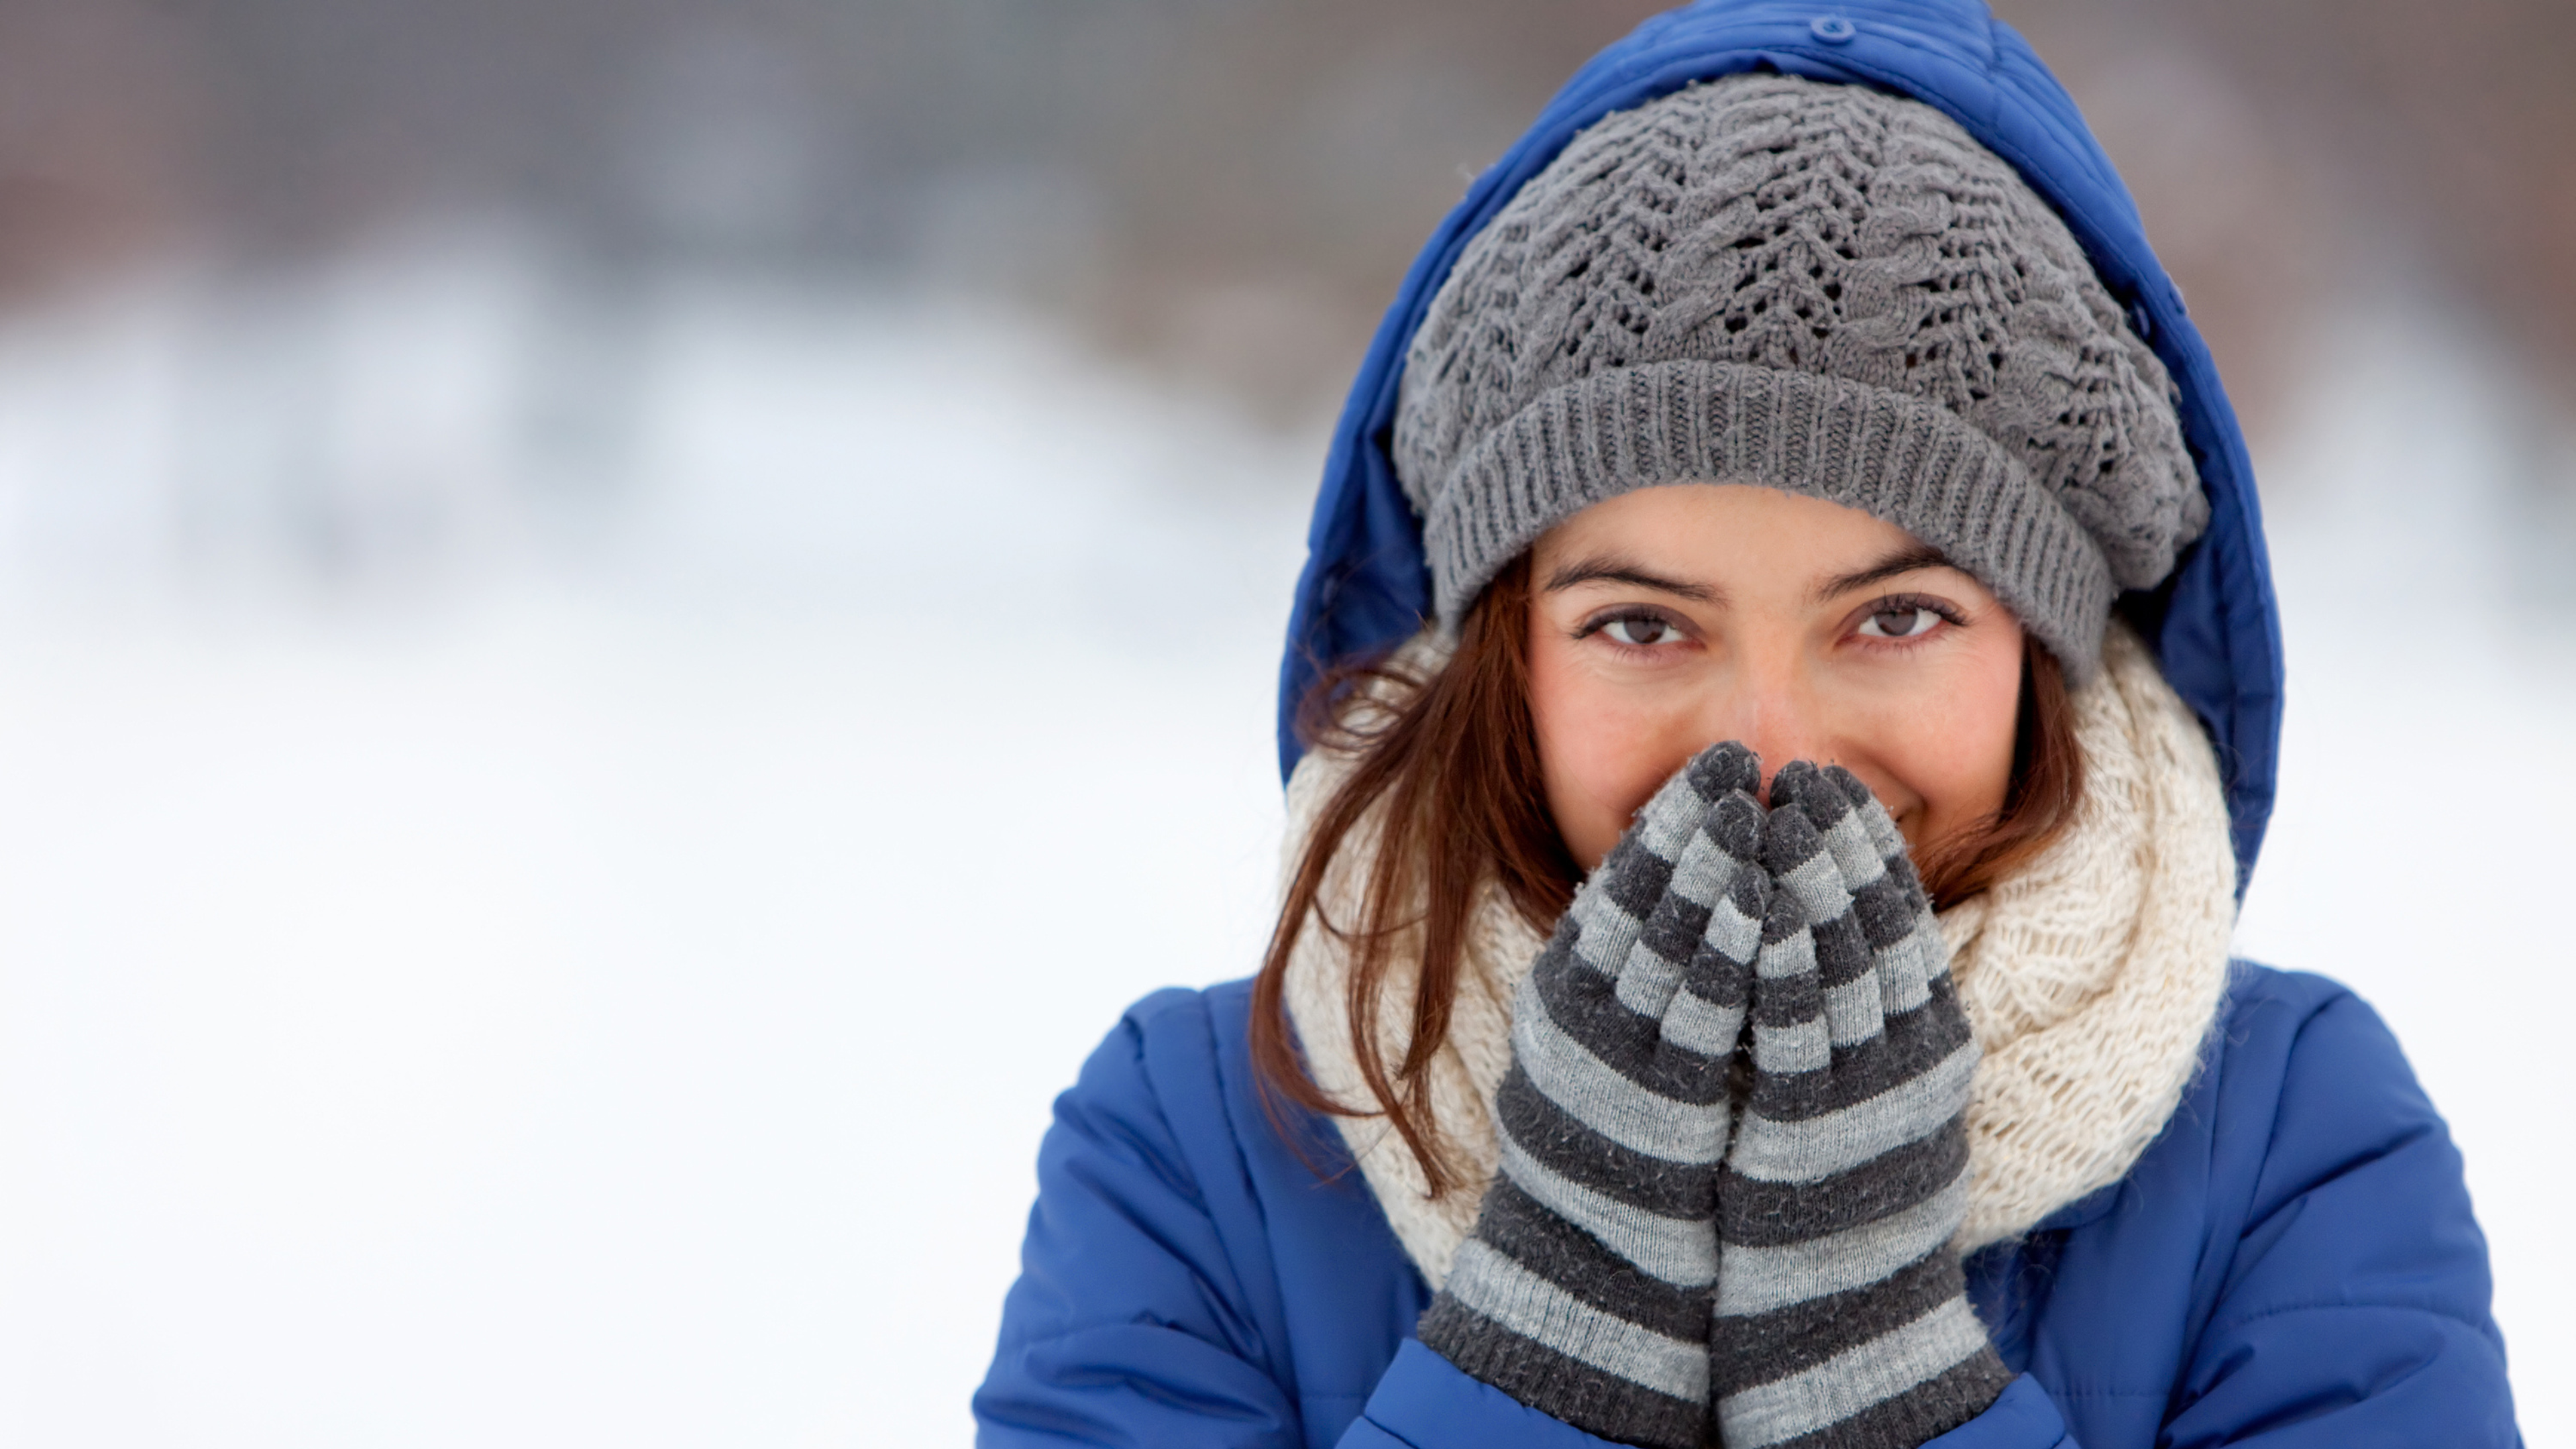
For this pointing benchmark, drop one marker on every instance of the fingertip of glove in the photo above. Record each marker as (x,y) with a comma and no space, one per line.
(1665,819)
(1736,826)
(1819,792)
(1788,836)
(1796,780)
(1853,791)
(1725,767)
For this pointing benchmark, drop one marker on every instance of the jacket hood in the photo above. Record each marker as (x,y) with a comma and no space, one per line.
(2213,624)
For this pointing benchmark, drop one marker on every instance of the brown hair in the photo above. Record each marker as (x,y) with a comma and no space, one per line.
(1449,767)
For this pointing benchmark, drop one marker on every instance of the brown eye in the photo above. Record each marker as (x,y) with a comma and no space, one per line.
(1641,631)
(1899,623)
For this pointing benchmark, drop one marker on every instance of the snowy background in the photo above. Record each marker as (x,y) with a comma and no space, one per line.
(532,973)
(551,551)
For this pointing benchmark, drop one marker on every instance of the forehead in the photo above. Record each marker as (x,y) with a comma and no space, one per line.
(1733,533)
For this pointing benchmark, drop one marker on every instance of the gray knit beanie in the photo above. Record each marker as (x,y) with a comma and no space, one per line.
(1817,287)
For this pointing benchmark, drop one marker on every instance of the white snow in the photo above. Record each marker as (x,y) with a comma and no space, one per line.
(2420,851)
(525,971)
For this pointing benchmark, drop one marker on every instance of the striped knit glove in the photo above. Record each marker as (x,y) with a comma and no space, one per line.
(1842,1320)
(1585,1289)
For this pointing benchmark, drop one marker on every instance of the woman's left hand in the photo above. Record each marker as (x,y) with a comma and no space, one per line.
(1842,1317)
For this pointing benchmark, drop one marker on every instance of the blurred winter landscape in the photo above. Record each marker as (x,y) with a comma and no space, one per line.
(612,998)
(572,781)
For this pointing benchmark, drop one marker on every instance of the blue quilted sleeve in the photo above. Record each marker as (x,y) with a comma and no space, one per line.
(1129,1324)
(1424,1402)
(1146,1312)
(2354,1309)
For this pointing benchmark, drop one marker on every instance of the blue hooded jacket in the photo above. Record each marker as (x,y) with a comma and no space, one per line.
(2292,1263)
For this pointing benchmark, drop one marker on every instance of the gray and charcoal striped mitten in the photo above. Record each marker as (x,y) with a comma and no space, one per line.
(1842,1320)
(1585,1289)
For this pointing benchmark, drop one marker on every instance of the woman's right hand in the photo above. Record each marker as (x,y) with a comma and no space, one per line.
(1585,1290)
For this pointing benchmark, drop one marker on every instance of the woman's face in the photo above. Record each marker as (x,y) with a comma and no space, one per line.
(1667,619)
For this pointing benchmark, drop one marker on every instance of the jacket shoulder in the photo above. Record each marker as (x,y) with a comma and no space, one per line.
(2353,1257)
(1169,1059)
(1188,1018)
(1136,1304)
(2307,1069)
(1187,1276)
(1164,1049)
(1149,1100)
(2252,986)
(2311,1085)
(2297,1248)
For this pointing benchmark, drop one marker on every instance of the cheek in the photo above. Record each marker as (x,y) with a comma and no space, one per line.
(1603,751)
(1953,750)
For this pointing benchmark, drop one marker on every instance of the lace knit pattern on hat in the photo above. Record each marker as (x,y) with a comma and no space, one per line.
(1813,286)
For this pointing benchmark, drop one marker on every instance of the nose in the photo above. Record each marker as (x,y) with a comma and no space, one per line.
(1769,706)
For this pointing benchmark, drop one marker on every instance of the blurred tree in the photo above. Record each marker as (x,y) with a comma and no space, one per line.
(1230,186)
(2453,128)
(2284,155)
(97,104)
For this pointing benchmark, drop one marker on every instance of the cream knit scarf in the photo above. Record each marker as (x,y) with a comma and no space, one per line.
(2091,979)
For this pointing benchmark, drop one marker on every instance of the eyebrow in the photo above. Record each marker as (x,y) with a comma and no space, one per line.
(1612,569)
(1904,561)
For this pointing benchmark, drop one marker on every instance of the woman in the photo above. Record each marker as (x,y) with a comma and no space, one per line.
(1754,967)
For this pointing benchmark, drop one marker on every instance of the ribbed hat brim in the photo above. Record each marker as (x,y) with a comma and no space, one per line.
(1898,457)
